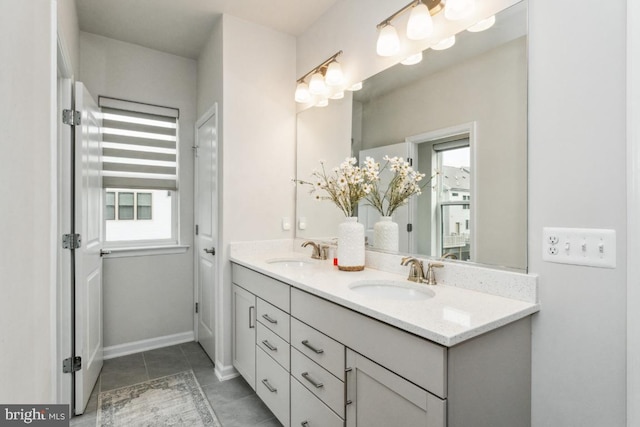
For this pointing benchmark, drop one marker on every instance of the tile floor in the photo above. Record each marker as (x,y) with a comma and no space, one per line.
(233,401)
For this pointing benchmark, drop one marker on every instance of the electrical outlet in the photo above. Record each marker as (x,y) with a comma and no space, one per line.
(580,246)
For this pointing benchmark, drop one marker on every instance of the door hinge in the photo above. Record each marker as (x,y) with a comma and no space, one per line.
(409,228)
(71,117)
(71,364)
(71,241)
(197,307)
(410,161)
(196,151)
(197,229)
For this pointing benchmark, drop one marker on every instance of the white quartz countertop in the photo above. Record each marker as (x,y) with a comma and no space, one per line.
(450,317)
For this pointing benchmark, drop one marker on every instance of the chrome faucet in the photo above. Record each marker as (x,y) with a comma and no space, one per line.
(416,271)
(319,251)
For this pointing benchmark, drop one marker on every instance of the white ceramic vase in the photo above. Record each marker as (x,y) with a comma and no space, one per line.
(385,234)
(350,245)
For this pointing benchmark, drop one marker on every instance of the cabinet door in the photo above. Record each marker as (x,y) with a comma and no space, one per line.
(376,397)
(244,334)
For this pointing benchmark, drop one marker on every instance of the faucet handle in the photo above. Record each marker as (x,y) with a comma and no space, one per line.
(430,276)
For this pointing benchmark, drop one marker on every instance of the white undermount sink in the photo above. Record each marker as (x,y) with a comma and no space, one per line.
(392,289)
(294,263)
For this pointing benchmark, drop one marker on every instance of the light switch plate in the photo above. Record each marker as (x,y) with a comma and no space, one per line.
(580,246)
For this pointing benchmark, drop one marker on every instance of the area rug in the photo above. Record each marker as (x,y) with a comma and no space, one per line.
(174,400)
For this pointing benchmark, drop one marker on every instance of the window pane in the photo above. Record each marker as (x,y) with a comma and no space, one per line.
(111,198)
(154,215)
(455,231)
(110,206)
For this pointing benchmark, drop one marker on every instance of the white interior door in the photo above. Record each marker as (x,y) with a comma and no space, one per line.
(88,263)
(367,215)
(207,228)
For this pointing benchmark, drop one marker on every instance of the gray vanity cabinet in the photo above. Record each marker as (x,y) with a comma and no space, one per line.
(379,398)
(244,334)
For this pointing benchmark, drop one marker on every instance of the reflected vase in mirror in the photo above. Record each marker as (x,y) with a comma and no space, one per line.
(350,245)
(385,234)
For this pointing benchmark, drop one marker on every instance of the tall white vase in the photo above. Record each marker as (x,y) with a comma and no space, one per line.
(385,234)
(351,245)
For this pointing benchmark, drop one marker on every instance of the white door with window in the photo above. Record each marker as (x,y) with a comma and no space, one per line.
(88,261)
(206,210)
(367,215)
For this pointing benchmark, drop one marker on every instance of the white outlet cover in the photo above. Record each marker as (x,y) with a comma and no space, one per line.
(579,246)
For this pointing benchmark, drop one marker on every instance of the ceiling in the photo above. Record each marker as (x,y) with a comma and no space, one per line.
(181,27)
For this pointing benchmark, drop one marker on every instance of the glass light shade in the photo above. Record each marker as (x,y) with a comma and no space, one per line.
(356,87)
(302,93)
(334,75)
(337,95)
(444,43)
(388,41)
(322,102)
(413,59)
(455,10)
(485,24)
(420,24)
(317,85)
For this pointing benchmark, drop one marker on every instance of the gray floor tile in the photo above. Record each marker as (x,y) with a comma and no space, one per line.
(115,380)
(273,422)
(165,361)
(132,362)
(199,360)
(190,347)
(206,376)
(245,412)
(224,392)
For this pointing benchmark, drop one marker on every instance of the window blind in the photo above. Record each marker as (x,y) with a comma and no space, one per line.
(139,148)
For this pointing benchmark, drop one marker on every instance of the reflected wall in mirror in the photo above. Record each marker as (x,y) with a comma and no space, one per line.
(461,113)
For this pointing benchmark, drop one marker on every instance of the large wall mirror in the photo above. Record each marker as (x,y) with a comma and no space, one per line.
(460,116)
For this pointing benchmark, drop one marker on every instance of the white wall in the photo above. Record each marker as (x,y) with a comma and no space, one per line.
(28,215)
(576,179)
(257,140)
(491,90)
(69,32)
(152,296)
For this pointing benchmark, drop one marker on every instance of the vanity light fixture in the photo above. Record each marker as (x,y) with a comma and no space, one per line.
(356,87)
(485,24)
(412,59)
(337,95)
(326,79)
(444,43)
(388,40)
(420,24)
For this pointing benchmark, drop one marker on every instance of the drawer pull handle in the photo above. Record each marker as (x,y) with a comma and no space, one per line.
(269,345)
(251,325)
(269,386)
(269,319)
(309,346)
(307,377)
(305,424)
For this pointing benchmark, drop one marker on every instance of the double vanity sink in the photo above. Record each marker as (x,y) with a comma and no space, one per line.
(326,347)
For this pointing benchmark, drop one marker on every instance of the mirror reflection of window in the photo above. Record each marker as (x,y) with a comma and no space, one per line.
(453,199)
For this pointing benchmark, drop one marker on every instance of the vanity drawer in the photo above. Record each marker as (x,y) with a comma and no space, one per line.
(306,408)
(273,345)
(273,318)
(276,292)
(272,385)
(421,361)
(318,347)
(318,381)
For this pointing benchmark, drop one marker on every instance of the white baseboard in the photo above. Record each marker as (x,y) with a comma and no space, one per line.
(149,344)
(225,373)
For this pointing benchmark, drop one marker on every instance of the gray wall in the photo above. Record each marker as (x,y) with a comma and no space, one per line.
(28,220)
(151,296)
(577,179)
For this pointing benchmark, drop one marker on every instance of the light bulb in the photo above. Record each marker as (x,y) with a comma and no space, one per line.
(317,85)
(388,41)
(413,59)
(420,25)
(455,10)
(334,75)
(485,24)
(356,87)
(302,93)
(444,43)
(322,102)
(337,95)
